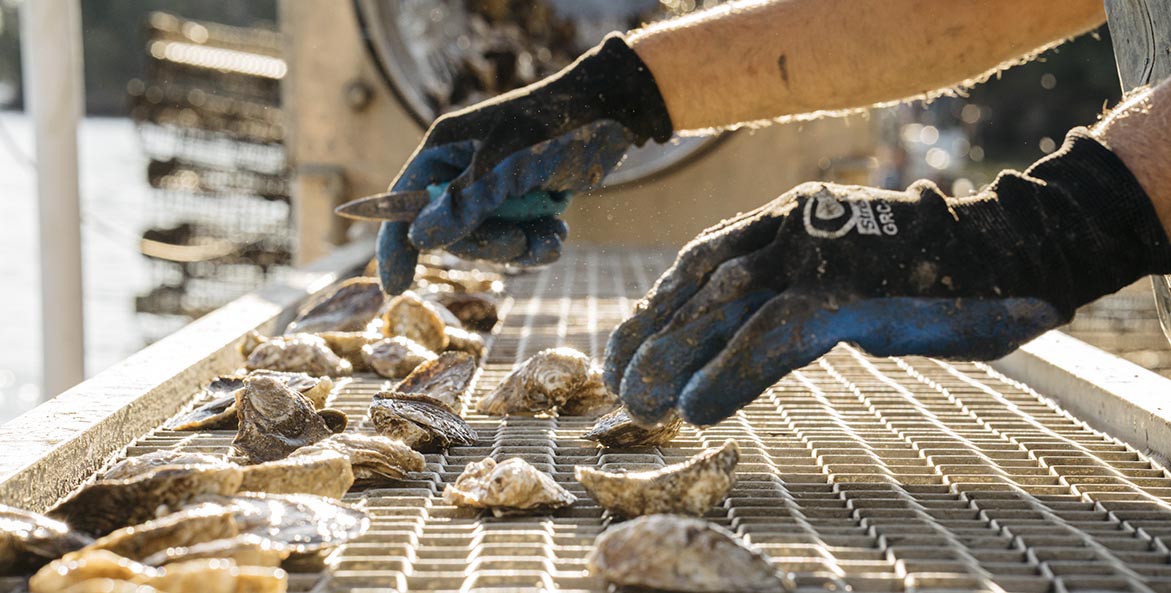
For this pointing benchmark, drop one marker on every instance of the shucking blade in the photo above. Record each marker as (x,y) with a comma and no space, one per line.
(401,206)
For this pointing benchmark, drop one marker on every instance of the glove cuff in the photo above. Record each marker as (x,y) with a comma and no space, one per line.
(625,90)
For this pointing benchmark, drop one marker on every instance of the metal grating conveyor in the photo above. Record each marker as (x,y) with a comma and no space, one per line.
(862,474)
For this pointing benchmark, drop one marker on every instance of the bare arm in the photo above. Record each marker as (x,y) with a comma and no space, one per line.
(755,60)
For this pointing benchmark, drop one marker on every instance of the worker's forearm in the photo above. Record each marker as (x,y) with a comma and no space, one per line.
(1137,131)
(762,59)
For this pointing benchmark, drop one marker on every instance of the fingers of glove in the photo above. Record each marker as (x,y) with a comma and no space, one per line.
(396,257)
(662,365)
(545,237)
(690,272)
(495,240)
(578,160)
(436,164)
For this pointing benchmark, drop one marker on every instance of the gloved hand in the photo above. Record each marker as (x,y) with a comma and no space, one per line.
(560,135)
(897,273)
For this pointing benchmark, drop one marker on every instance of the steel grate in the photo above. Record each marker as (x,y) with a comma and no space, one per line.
(857,473)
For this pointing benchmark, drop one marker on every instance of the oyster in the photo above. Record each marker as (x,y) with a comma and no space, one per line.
(511,487)
(147,462)
(616,429)
(674,553)
(246,550)
(29,540)
(421,422)
(460,340)
(106,505)
(371,457)
(324,472)
(690,487)
(446,378)
(299,353)
(464,281)
(395,357)
(476,311)
(317,389)
(349,345)
(275,421)
(220,413)
(560,378)
(103,571)
(348,308)
(295,523)
(179,529)
(410,316)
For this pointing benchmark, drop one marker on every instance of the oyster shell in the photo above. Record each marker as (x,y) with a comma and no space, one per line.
(349,307)
(460,340)
(296,523)
(421,422)
(395,357)
(470,281)
(446,378)
(246,550)
(29,540)
(560,378)
(299,353)
(674,553)
(220,413)
(275,421)
(371,457)
(103,571)
(147,462)
(349,345)
(476,311)
(617,429)
(323,472)
(179,529)
(410,316)
(106,505)
(511,487)
(690,487)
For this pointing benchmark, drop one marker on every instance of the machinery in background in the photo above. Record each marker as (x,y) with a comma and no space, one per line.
(209,116)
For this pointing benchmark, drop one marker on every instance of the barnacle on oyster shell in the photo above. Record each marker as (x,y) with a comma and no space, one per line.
(102,571)
(445,379)
(690,487)
(180,529)
(324,472)
(348,307)
(617,429)
(299,353)
(461,340)
(275,420)
(511,487)
(220,413)
(245,550)
(371,457)
(395,357)
(557,378)
(476,311)
(409,316)
(676,553)
(28,540)
(421,422)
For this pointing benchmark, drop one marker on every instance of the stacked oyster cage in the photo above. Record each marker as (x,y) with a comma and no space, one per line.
(209,117)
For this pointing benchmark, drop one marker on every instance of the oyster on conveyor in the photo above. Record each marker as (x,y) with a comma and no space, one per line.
(560,378)
(148,462)
(275,420)
(297,353)
(181,529)
(410,316)
(475,311)
(421,422)
(324,472)
(462,340)
(246,550)
(462,281)
(446,378)
(617,429)
(371,457)
(296,523)
(511,487)
(349,345)
(675,553)
(106,505)
(395,357)
(102,571)
(220,413)
(689,488)
(29,540)
(348,308)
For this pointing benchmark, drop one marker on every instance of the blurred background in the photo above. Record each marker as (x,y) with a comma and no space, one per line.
(218,135)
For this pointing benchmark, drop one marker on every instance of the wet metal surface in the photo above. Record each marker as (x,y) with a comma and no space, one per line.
(872,474)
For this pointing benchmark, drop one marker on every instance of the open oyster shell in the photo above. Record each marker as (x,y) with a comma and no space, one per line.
(275,420)
(445,379)
(409,316)
(28,540)
(617,429)
(421,422)
(323,472)
(349,307)
(511,487)
(674,553)
(298,353)
(690,487)
(371,457)
(395,357)
(557,378)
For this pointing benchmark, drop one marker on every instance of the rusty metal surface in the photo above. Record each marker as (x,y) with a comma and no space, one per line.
(861,474)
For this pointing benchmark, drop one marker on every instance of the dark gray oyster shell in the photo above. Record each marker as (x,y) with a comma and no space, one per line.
(298,353)
(29,540)
(446,378)
(275,420)
(617,429)
(688,488)
(409,316)
(297,523)
(558,378)
(323,472)
(179,529)
(220,413)
(476,311)
(511,487)
(421,422)
(395,357)
(349,307)
(373,458)
(675,553)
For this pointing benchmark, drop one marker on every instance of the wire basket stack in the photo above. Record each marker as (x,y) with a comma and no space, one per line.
(209,117)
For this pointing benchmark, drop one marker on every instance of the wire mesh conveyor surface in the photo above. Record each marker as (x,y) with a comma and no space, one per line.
(857,473)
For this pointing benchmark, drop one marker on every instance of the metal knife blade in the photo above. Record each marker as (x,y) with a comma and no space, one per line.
(392,206)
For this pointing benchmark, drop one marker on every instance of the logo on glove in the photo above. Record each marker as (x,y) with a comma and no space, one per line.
(828,218)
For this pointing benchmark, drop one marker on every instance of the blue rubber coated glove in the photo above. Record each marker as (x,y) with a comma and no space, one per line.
(508,161)
(896,273)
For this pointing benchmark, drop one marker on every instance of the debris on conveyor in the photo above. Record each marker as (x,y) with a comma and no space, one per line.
(616,429)
(512,487)
(560,379)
